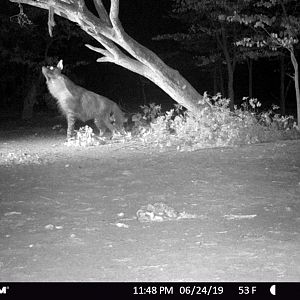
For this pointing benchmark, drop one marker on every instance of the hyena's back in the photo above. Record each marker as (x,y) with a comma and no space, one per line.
(92,106)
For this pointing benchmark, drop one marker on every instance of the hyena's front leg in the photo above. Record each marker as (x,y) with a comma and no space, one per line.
(71,123)
(100,125)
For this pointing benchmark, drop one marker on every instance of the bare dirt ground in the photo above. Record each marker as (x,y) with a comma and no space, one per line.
(69,213)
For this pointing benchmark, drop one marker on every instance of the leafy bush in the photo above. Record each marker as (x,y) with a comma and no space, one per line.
(215,127)
(84,137)
(142,120)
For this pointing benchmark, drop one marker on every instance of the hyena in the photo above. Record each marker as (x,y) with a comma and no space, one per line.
(75,102)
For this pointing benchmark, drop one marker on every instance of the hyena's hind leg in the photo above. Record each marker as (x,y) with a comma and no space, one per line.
(71,123)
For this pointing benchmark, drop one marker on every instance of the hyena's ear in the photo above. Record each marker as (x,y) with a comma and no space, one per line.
(60,65)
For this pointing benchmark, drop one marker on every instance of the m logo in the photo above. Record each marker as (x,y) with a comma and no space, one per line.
(3,290)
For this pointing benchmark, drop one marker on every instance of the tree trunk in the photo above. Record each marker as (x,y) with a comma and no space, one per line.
(221,78)
(215,81)
(31,97)
(296,80)
(293,34)
(108,31)
(29,102)
(282,86)
(230,88)
(143,92)
(230,63)
(250,77)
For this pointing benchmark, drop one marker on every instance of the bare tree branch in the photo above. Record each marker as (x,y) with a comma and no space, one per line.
(100,50)
(114,13)
(102,12)
(105,59)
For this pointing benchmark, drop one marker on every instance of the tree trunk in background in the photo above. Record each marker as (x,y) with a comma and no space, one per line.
(296,81)
(31,97)
(143,92)
(108,31)
(221,79)
(250,76)
(215,80)
(230,72)
(29,101)
(282,85)
(230,63)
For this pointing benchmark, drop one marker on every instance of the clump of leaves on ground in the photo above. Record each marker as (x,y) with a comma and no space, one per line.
(215,126)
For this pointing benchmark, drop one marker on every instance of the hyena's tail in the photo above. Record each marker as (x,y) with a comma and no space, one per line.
(119,117)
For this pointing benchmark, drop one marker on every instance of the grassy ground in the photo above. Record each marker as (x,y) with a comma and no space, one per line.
(69,213)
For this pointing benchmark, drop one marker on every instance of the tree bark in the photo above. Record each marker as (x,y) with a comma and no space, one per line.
(296,81)
(108,31)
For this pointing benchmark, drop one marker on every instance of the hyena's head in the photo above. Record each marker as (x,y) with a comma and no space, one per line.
(52,72)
